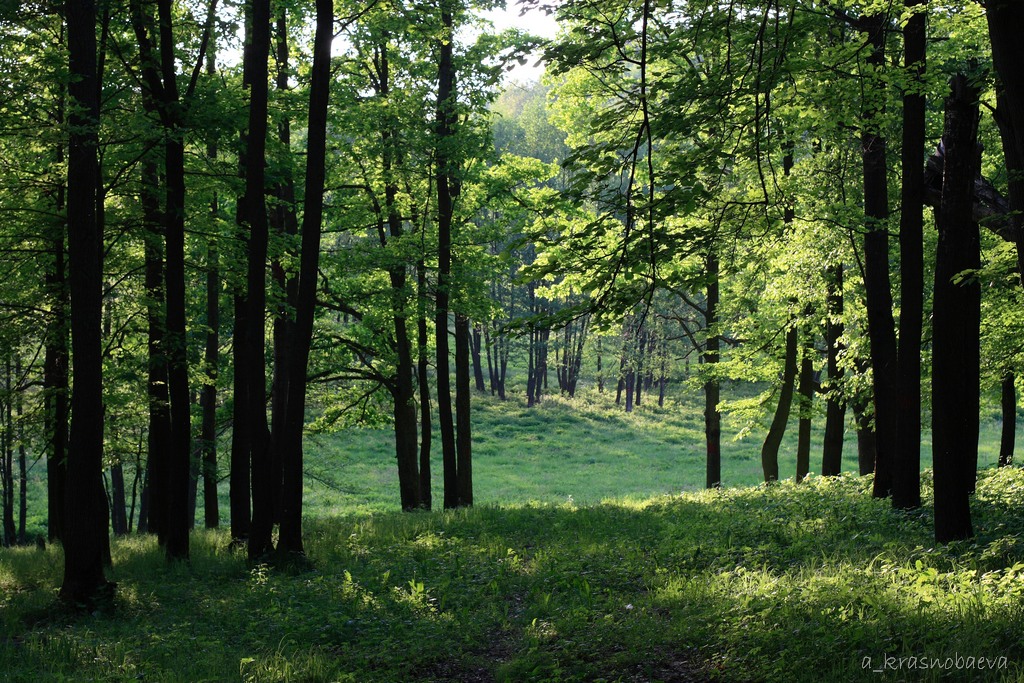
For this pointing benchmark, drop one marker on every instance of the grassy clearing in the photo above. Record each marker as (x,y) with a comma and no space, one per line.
(786,583)
(587,448)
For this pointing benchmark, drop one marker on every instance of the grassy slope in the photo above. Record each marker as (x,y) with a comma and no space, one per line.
(786,583)
(586,448)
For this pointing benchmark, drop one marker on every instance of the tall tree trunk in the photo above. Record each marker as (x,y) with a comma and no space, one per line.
(208,400)
(19,411)
(806,402)
(956,321)
(835,411)
(866,439)
(312,218)
(238,476)
(1009,432)
(770,448)
(1005,27)
(55,363)
(85,518)
(463,414)
(423,378)
(284,222)
(476,338)
(712,391)
(445,178)
(906,471)
(402,387)
(881,327)
(118,516)
(158,453)
(255,66)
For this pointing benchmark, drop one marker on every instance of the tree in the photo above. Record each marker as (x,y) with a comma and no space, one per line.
(955,333)
(312,217)
(85,518)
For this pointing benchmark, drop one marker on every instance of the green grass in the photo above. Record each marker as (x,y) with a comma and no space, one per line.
(587,448)
(593,555)
(785,583)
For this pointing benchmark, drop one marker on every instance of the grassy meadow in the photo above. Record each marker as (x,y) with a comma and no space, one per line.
(593,555)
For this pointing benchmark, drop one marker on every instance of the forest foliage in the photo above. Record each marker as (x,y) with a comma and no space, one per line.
(227,224)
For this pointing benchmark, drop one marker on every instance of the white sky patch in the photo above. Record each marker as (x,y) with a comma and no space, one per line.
(533,21)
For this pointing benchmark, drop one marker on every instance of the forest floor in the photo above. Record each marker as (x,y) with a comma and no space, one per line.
(592,555)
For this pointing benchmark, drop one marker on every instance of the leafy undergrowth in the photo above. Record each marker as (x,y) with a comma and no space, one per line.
(813,582)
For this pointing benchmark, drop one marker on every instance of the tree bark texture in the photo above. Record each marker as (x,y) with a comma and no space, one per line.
(770,448)
(85,512)
(956,321)
(906,470)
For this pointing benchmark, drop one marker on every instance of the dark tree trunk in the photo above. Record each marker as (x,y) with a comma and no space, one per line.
(85,530)
(10,534)
(55,364)
(865,436)
(312,217)
(1009,432)
(956,321)
(600,372)
(208,400)
(881,327)
(1005,27)
(463,416)
(118,516)
(19,411)
(208,438)
(770,449)
(835,411)
(158,453)
(423,377)
(906,471)
(445,179)
(390,230)
(284,222)
(263,481)
(712,390)
(476,338)
(238,477)
(806,392)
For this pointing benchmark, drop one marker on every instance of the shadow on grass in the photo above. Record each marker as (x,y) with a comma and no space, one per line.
(782,583)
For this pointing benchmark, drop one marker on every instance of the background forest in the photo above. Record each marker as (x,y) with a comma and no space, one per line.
(276,267)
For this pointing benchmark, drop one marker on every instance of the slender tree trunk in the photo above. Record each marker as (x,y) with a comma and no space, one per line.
(712,390)
(881,327)
(85,506)
(475,341)
(238,477)
(956,321)
(19,411)
(284,223)
(211,356)
(865,436)
(312,218)
(1009,432)
(906,471)
(463,415)
(118,517)
(835,412)
(208,438)
(806,402)
(770,449)
(55,364)
(159,405)
(423,377)
(263,483)
(445,180)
